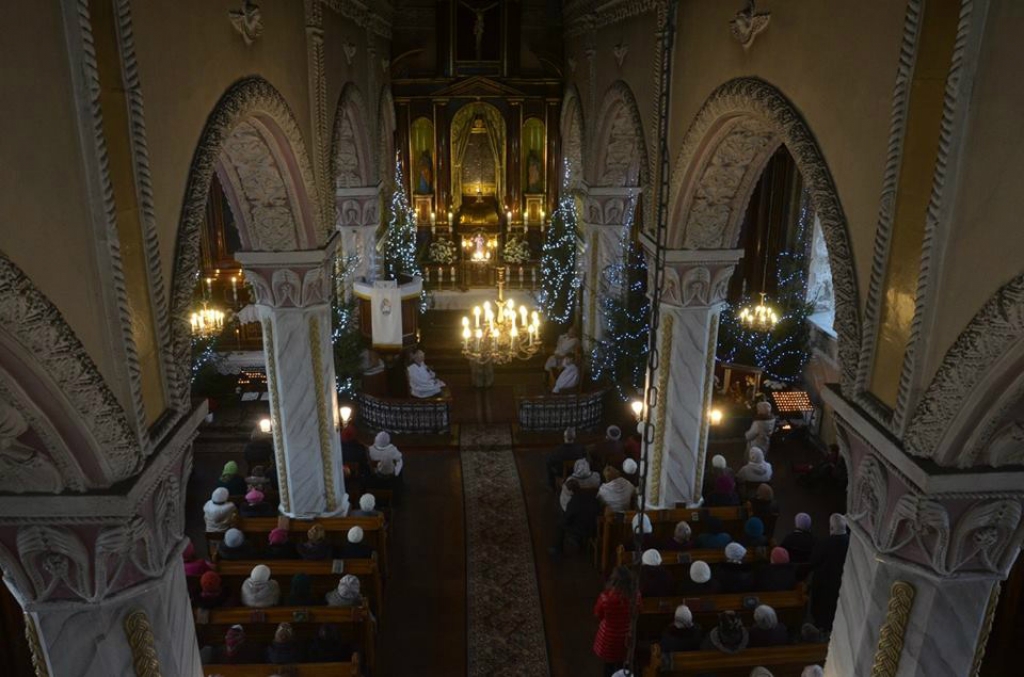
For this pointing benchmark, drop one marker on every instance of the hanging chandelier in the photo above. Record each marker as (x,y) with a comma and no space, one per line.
(499,333)
(761,317)
(207,322)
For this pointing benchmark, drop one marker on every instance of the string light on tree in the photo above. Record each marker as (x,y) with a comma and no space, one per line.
(559,278)
(398,246)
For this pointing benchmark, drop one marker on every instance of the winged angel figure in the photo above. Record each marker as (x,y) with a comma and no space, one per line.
(748,24)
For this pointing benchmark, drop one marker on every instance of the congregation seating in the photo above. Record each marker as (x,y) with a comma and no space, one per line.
(656,612)
(683,558)
(296,670)
(428,415)
(783,661)
(582,411)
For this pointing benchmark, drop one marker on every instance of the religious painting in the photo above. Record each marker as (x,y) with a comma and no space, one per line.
(533,155)
(478,30)
(422,142)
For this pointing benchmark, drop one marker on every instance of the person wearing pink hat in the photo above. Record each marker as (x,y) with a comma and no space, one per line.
(778,574)
(255,506)
(194,566)
(279,546)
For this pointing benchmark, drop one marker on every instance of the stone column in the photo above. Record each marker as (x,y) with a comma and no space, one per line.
(293,294)
(100,577)
(695,286)
(442,161)
(606,215)
(358,218)
(927,554)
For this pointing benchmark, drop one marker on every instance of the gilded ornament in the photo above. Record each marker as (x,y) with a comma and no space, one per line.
(321,414)
(142,643)
(36,647)
(890,637)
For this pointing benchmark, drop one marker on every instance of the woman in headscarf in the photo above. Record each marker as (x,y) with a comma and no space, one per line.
(278,545)
(779,574)
(827,565)
(355,548)
(328,646)
(300,590)
(383,449)
(765,508)
(234,546)
(655,579)
(724,493)
(682,634)
(211,592)
(367,507)
(231,480)
(729,636)
(316,545)
(255,506)
(194,566)
(734,574)
(346,594)
(585,479)
(259,591)
(714,536)
(219,512)
(766,630)
(760,671)
(757,469)
(700,583)
(801,542)
(616,492)
(648,540)
(612,611)
(236,649)
(719,467)
(812,671)
(762,427)
(284,649)
(682,537)
(753,533)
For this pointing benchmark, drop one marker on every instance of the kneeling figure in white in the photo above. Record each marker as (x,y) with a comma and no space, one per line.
(422,381)
(569,377)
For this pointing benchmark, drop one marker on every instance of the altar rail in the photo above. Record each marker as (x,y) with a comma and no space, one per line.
(558,412)
(470,275)
(429,415)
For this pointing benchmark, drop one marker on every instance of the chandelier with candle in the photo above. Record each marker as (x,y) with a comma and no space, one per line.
(761,317)
(499,333)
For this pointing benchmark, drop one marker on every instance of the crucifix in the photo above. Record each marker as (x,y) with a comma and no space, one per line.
(478,25)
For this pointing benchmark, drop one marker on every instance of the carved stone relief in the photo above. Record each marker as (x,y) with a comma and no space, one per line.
(248,21)
(620,151)
(572,140)
(346,162)
(748,24)
(22,467)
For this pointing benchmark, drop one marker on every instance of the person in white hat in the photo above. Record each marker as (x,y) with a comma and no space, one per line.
(382,449)
(655,579)
(648,540)
(219,513)
(734,574)
(757,469)
(760,671)
(346,594)
(569,450)
(582,478)
(259,590)
(766,630)
(701,583)
(234,546)
(630,470)
(355,548)
(682,634)
(812,671)
(367,507)
(719,466)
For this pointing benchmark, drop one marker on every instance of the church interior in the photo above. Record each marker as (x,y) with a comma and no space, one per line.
(546,338)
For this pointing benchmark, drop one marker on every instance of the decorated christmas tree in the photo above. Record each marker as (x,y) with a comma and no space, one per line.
(397,246)
(559,278)
(346,340)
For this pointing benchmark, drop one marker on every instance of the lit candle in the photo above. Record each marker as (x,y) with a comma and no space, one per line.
(534,317)
(450,222)
(209,287)
(465,335)
(522,314)
(476,314)
(530,331)
(234,289)
(479,335)
(509,215)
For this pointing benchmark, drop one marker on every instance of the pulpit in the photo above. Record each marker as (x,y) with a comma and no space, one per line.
(389,312)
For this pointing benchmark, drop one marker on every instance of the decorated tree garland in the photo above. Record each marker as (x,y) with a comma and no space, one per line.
(397,246)
(346,340)
(559,278)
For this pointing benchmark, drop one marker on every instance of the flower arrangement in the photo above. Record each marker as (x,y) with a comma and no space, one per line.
(442,251)
(517,250)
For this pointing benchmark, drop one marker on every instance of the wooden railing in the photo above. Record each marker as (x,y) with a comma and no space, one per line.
(430,415)
(558,412)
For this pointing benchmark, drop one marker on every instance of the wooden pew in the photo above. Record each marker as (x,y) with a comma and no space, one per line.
(257,528)
(260,625)
(783,661)
(615,528)
(671,558)
(350,669)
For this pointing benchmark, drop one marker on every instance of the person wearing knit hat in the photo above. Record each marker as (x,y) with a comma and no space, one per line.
(800,542)
(655,579)
(346,594)
(258,479)
(355,548)
(316,545)
(383,449)
(765,507)
(617,492)
(648,540)
(714,535)
(279,546)
(613,432)
(827,564)
(219,512)
(234,546)
(766,630)
(757,469)
(723,493)
(682,537)
(354,453)
(194,566)
(778,575)
(729,636)
(812,671)
(700,583)
(284,649)
(583,478)
(682,634)
(733,573)
(231,480)
(367,507)
(259,590)
(760,671)
(629,470)
(211,592)
(300,590)
(255,506)
(753,533)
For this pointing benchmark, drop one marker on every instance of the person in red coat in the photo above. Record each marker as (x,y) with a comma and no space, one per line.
(613,611)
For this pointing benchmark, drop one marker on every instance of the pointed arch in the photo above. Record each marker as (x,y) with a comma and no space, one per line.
(386,138)
(351,157)
(572,133)
(620,151)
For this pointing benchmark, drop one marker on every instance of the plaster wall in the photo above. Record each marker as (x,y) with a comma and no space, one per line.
(45,224)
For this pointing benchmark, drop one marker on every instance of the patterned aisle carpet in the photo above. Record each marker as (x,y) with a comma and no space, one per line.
(505,624)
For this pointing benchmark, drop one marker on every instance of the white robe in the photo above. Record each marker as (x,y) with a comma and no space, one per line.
(218,516)
(390,452)
(566,346)
(422,382)
(568,379)
(617,494)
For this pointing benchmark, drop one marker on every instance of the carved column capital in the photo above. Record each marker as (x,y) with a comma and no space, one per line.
(607,206)
(295,279)
(695,278)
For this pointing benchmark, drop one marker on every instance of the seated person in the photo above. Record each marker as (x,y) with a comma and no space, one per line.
(584,478)
(579,521)
(353,452)
(765,507)
(382,449)
(219,513)
(316,545)
(761,671)
(812,671)
(569,450)
(700,583)
(757,469)
(567,344)
(682,538)
(258,479)
(367,507)
(194,566)
(761,429)
(753,533)
(729,636)
(284,649)
(569,378)
(346,594)
(724,494)
(256,507)
(300,591)
(655,579)
(231,480)
(355,548)
(648,541)
(779,574)
(278,545)
(682,634)
(616,492)
(234,546)
(734,574)
(800,542)
(719,467)
(328,646)
(422,381)
(259,590)
(766,630)
(610,450)
(211,592)
(714,535)
(236,649)
(631,470)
